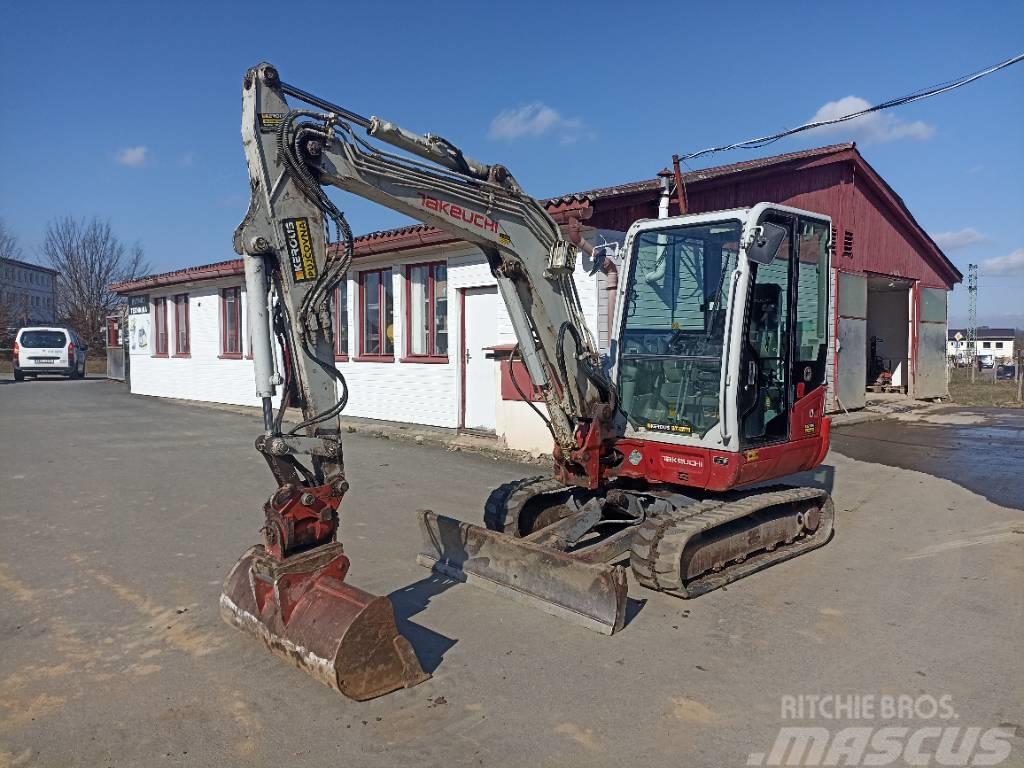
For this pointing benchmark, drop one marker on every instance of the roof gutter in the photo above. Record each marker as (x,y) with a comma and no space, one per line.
(231,269)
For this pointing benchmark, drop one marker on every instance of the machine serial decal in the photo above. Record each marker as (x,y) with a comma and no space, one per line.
(300,249)
(459,213)
(270,121)
(635,457)
(679,429)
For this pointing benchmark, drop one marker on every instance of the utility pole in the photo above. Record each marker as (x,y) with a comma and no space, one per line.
(972,318)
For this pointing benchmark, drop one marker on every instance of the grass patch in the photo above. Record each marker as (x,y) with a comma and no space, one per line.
(985,391)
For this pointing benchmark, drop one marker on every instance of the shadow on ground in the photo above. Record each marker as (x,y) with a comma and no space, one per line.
(410,600)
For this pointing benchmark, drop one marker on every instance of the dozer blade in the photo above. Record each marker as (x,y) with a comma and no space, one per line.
(302,610)
(591,595)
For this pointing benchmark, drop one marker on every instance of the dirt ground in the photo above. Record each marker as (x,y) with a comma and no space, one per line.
(122,515)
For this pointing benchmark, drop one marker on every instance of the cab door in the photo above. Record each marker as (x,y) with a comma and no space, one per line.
(765,356)
(786,332)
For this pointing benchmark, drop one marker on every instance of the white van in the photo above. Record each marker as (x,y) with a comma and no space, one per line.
(48,351)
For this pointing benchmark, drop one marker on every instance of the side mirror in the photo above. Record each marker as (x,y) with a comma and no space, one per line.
(766,242)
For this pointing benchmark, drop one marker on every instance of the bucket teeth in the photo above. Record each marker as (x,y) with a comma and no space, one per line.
(591,595)
(303,610)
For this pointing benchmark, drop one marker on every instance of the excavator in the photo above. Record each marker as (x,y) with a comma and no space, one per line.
(665,453)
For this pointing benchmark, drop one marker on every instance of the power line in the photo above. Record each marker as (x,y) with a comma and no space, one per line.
(924,93)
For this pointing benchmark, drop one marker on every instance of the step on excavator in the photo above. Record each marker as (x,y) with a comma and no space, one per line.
(664,453)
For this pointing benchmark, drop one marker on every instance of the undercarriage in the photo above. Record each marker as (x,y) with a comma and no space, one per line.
(562,549)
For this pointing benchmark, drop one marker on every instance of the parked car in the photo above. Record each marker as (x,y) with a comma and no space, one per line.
(48,351)
(986,361)
(1006,372)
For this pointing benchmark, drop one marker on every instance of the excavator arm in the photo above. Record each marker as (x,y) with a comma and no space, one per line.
(292,154)
(296,246)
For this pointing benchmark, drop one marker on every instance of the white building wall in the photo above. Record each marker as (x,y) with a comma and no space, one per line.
(204,375)
(397,390)
(958,349)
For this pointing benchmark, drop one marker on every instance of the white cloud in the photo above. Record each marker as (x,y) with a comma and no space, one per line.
(535,119)
(872,128)
(1002,265)
(134,157)
(961,238)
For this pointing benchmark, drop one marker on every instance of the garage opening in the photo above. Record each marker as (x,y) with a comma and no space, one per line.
(888,334)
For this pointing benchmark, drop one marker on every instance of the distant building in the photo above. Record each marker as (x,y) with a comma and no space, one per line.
(997,343)
(28,292)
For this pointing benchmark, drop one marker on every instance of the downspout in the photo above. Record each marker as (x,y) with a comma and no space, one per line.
(658,272)
(608,268)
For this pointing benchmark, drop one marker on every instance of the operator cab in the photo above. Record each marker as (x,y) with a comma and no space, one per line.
(750,284)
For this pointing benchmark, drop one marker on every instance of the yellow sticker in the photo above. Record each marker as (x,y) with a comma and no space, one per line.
(299,244)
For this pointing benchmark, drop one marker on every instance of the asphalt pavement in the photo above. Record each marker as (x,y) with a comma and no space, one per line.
(121,516)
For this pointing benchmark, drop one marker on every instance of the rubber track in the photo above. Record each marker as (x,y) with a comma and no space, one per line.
(507,501)
(658,544)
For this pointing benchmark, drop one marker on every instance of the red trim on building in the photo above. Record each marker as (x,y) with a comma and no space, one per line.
(382,326)
(231,295)
(340,321)
(431,355)
(181,300)
(160,323)
(462,358)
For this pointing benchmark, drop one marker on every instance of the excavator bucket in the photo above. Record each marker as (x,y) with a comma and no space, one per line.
(302,610)
(592,595)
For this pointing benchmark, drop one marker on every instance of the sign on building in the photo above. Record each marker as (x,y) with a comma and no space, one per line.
(138,305)
(138,325)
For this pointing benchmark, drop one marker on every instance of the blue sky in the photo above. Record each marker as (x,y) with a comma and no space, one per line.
(130,111)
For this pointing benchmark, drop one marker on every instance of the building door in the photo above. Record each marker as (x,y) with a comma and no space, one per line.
(929,343)
(479,330)
(115,349)
(851,340)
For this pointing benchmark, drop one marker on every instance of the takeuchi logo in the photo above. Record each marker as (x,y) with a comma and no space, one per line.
(459,213)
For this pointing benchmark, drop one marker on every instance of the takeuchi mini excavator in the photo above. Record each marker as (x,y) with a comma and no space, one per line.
(663,454)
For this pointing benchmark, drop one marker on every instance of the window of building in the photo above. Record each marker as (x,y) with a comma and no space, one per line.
(181,329)
(341,321)
(377,336)
(986,344)
(426,301)
(999,345)
(160,327)
(231,322)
